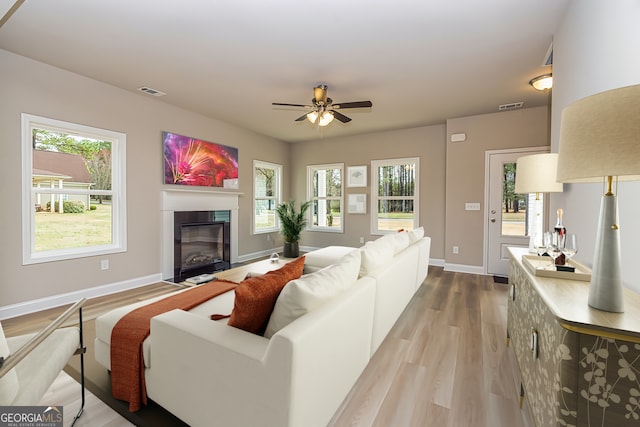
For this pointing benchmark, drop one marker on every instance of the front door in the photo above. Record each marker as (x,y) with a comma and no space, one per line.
(507,211)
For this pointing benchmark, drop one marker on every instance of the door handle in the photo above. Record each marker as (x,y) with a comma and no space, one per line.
(493,220)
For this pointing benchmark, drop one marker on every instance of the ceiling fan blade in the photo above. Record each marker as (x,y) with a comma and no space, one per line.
(291,105)
(301,118)
(357,104)
(341,117)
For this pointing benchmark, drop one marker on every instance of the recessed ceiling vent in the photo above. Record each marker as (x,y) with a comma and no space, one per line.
(150,91)
(512,106)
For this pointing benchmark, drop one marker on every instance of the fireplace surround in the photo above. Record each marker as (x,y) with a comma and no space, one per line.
(178,200)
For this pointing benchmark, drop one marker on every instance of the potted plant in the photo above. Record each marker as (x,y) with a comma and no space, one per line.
(292,223)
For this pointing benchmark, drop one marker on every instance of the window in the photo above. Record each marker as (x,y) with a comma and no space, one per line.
(325,193)
(73,184)
(267,189)
(394,194)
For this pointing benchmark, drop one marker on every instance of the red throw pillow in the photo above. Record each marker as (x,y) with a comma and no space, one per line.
(256,297)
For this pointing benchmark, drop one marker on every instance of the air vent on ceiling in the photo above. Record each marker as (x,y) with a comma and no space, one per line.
(150,91)
(512,106)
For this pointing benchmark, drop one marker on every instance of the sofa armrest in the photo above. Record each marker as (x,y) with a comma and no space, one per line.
(201,368)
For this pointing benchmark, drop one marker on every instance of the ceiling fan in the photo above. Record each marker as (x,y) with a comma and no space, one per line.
(323,110)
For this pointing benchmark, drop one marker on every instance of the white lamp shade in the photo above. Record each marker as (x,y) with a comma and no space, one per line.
(600,136)
(536,173)
(312,116)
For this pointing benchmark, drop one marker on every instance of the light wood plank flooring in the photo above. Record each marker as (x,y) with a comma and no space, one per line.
(444,363)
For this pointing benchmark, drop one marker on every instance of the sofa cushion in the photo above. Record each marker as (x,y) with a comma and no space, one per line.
(324,257)
(255,297)
(376,254)
(416,234)
(401,241)
(8,383)
(310,291)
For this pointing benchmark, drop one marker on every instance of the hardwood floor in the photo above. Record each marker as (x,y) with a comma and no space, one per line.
(444,363)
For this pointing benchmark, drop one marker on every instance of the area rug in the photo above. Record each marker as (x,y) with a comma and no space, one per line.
(98,382)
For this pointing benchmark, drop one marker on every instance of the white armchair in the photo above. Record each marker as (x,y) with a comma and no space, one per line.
(30,363)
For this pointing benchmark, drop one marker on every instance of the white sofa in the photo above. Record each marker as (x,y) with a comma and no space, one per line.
(208,373)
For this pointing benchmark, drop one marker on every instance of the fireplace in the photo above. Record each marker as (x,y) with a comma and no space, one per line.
(202,243)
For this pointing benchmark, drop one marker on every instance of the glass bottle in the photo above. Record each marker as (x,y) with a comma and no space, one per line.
(561,231)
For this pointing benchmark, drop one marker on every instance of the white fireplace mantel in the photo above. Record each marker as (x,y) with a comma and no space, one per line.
(195,200)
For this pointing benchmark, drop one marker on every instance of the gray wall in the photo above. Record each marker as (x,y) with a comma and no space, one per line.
(595,49)
(427,143)
(466,174)
(32,87)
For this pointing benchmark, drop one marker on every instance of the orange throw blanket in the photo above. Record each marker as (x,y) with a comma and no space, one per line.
(127,364)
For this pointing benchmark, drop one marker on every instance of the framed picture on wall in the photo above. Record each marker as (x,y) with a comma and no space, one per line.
(357,204)
(357,176)
(194,162)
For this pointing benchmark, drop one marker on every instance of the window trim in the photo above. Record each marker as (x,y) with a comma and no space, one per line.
(278,197)
(118,190)
(310,170)
(375,196)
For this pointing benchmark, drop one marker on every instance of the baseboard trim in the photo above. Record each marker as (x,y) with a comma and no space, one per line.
(436,262)
(19,309)
(461,268)
(259,254)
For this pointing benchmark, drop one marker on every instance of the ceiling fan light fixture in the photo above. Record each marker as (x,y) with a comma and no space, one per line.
(326,118)
(312,116)
(542,83)
(323,119)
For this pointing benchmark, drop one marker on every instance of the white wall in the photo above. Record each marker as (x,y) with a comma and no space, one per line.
(596,48)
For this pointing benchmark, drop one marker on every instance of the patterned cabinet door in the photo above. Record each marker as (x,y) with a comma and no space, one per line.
(547,366)
(608,387)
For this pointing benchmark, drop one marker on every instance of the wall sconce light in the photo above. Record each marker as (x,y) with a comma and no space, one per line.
(542,83)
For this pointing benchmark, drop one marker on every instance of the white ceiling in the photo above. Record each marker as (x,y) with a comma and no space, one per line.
(419,61)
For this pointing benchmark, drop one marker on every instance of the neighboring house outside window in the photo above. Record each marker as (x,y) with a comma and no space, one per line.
(394,194)
(73,180)
(267,194)
(70,172)
(325,190)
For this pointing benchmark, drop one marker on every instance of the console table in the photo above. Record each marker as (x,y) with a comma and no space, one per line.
(579,366)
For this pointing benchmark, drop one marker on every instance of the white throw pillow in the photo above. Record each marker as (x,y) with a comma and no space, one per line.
(302,295)
(376,254)
(416,234)
(8,383)
(401,241)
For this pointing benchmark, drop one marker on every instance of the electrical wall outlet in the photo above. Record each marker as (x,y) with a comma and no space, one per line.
(104,264)
(361,240)
(456,250)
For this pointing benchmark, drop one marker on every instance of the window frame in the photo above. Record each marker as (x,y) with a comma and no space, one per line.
(277,198)
(310,196)
(117,192)
(375,197)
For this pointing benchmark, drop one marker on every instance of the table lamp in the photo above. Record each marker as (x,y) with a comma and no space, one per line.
(600,142)
(536,173)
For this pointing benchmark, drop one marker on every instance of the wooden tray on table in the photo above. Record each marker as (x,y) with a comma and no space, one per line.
(541,266)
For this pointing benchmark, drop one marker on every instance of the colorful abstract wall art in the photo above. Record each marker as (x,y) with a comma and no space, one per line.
(194,162)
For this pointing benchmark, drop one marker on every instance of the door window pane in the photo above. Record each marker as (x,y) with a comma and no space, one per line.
(514,206)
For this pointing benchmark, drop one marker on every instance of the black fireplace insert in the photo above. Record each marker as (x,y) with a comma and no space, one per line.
(202,243)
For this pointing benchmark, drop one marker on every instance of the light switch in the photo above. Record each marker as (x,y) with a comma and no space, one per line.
(472,206)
